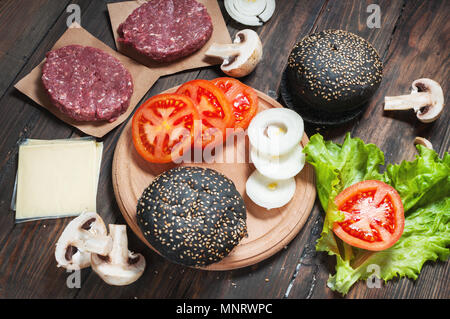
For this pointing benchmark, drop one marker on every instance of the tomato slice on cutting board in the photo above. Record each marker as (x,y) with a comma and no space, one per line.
(163,127)
(374,215)
(243,99)
(214,109)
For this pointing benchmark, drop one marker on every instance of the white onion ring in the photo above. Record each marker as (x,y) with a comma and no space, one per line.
(253,13)
(263,136)
(269,193)
(279,167)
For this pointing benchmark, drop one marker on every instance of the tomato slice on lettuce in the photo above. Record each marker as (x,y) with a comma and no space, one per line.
(243,99)
(163,127)
(374,215)
(213,107)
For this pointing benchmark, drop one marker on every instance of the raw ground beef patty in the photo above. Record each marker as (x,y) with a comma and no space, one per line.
(166,30)
(86,83)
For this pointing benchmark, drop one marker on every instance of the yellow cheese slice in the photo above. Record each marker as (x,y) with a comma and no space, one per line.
(57,178)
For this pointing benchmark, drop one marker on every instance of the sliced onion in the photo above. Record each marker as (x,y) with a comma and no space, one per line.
(276,131)
(268,12)
(269,193)
(279,167)
(249,7)
(250,12)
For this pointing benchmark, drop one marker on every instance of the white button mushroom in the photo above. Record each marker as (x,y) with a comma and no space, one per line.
(241,57)
(423,141)
(120,267)
(82,236)
(426,99)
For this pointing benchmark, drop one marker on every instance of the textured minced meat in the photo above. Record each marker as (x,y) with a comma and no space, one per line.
(86,83)
(166,30)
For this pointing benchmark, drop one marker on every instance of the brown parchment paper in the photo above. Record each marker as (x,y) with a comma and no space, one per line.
(143,79)
(119,11)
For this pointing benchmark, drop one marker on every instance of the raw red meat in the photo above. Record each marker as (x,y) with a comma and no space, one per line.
(166,30)
(86,83)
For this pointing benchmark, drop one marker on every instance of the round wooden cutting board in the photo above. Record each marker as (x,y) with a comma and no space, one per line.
(268,230)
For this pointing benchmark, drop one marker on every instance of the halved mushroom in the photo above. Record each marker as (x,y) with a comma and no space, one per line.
(241,57)
(423,141)
(426,99)
(120,267)
(83,235)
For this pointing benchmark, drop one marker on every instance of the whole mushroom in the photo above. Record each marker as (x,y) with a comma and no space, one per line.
(84,235)
(426,99)
(120,266)
(423,141)
(241,57)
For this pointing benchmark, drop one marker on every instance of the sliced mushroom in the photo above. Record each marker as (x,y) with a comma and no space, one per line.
(426,99)
(120,267)
(423,141)
(85,234)
(241,57)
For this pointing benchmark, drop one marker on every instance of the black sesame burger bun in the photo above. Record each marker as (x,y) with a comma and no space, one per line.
(192,216)
(334,71)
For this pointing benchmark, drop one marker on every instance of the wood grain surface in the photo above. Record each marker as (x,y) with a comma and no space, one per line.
(413,41)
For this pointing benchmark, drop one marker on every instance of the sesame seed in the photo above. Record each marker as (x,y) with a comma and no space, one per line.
(196,218)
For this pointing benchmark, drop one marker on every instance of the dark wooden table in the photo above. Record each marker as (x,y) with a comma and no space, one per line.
(413,41)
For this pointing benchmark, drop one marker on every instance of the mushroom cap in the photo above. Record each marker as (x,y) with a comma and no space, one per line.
(116,274)
(423,141)
(430,112)
(119,267)
(68,253)
(250,53)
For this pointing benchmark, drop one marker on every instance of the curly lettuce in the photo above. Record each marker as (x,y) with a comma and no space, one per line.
(424,187)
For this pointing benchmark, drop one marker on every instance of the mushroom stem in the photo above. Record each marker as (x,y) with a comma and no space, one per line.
(119,267)
(223,51)
(98,244)
(415,100)
(240,57)
(119,251)
(426,99)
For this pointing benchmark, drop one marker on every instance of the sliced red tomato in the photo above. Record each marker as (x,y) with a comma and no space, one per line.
(243,99)
(374,215)
(214,109)
(163,127)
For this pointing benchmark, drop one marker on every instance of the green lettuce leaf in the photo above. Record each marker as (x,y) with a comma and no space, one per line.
(424,187)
